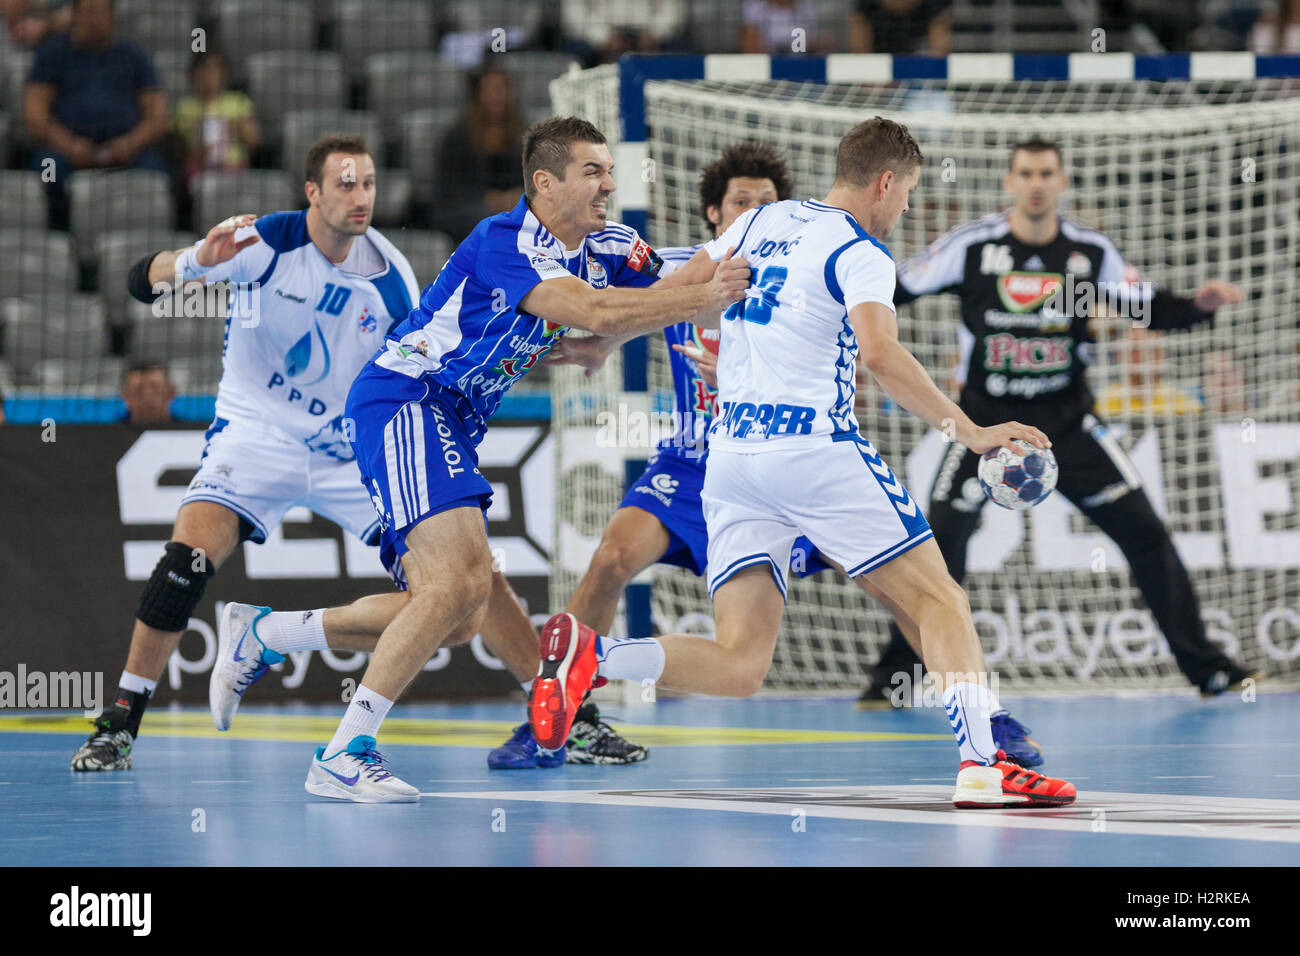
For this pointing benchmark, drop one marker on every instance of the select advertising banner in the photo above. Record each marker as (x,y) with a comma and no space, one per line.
(86,511)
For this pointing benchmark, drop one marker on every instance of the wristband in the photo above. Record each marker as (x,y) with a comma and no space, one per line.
(137,280)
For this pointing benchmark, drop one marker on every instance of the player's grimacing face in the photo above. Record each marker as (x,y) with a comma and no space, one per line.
(743,193)
(583,194)
(1035,182)
(345,197)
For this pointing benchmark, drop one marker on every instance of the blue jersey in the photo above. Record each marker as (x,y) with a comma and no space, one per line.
(469,335)
(694,400)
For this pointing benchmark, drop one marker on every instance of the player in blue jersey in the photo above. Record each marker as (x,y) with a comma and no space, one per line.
(420,408)
(787,458)
(313,293)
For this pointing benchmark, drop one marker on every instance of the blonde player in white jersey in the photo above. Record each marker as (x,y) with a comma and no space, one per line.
(787,459)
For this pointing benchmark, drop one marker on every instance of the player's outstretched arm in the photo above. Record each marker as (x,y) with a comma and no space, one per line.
(626,312)
(160,273)
(905,381)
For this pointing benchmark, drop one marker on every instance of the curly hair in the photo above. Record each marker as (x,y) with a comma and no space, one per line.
(749,160)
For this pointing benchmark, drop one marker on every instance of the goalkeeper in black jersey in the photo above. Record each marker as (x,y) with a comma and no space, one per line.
(1024,277)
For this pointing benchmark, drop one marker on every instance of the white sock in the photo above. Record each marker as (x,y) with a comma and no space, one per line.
(364,715)
(136,684)
(288,631)
(967,706)
(629,658)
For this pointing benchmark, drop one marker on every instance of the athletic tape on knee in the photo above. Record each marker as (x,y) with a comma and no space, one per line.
(175,588)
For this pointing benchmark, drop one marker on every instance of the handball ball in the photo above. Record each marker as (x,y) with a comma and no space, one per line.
(1018,476)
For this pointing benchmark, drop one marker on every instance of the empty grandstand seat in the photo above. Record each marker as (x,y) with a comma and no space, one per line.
(426,251)
(287,80)
(533,71)
(219,195)
(168,338)
(36,263)
(26,209)
(118,251)
(54,338)
(173,68)
(304,127)
(157,24)
(392,196)
(364,27)
(422,131)
(521,21)
(249,27)
(401,83)
(105,200)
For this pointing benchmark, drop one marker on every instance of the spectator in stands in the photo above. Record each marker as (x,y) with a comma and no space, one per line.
(92,101)
(28,22)
(600,31)
(1277,30)
(215,124)
(779,27)
(1144,388)
(479,159)
(901,26)
(148,393)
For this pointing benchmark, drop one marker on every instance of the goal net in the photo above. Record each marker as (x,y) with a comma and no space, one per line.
(1193,180)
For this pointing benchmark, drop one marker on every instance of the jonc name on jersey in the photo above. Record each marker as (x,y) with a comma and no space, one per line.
(103,909)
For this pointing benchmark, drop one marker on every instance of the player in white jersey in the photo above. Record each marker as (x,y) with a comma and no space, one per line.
(313,293)
(786,458)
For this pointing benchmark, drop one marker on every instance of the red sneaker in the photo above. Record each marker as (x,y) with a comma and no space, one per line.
(1006,784)
(568,668)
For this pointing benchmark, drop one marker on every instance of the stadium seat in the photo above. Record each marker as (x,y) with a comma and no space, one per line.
(393,200)
(33,264)
(54,339)
(521,21)
(246,28)
(400,83)
(533,71)
(168,338)
(715,25)
(219,195)
(173,68)
(304,127)
(157,24)
(426,251)
(287,80)
(118,251)
(104,200)
(26,209)
(422,130)
(364,27)
(13,77)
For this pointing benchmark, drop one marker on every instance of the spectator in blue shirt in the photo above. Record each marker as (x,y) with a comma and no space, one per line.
(92,101)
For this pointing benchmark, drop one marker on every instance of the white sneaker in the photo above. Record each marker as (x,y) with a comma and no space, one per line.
(242,659)
(357,774)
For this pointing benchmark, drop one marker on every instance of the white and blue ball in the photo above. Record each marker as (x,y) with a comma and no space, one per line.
(1018,476)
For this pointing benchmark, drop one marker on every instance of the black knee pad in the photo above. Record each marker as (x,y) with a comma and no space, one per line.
(174,589)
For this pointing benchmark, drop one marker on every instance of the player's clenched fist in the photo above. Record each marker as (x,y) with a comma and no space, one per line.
(219,244)
(730,279)
(995,436)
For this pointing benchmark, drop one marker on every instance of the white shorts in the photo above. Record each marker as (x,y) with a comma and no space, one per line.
(841,495)
(260,474)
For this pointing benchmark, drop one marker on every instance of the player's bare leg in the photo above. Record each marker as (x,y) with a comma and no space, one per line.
(203,536)
(633,540)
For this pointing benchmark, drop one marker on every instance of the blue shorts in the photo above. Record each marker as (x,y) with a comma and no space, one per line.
(417,450)
(669,489)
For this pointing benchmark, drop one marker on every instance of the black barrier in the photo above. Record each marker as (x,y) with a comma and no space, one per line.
(85,511)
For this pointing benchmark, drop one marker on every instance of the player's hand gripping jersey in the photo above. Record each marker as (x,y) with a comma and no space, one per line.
(786,369)
(299,328)
(695,401)
(1025,309)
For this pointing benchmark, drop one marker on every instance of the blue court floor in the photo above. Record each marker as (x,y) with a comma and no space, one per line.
(1163,781)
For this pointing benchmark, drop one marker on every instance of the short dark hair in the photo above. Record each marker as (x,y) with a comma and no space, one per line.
(871,148)
(348,143)
(548,145)
(141,365)
(202,56)
(1036,144)
(747,160)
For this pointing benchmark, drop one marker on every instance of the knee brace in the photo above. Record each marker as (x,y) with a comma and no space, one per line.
(174,589)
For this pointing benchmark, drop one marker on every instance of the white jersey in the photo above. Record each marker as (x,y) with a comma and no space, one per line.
(787,358)
(300,328)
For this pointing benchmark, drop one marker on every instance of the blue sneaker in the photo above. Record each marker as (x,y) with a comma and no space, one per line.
(1013,737)
(521,752)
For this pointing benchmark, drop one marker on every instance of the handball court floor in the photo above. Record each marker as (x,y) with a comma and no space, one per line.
(1163,781)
